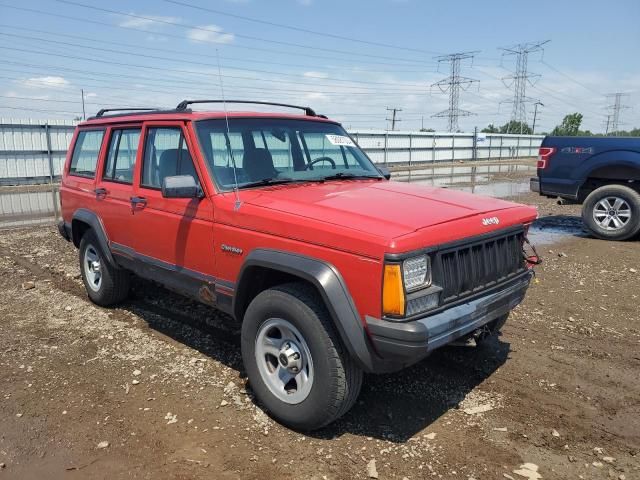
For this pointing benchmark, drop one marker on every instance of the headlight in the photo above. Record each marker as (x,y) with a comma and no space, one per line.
(416,272)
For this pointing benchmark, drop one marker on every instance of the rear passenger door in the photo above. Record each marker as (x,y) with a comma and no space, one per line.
(114,188)
(173,235)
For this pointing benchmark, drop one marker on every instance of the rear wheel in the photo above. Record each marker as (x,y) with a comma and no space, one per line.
(612,212)
(297,365)
(105,284)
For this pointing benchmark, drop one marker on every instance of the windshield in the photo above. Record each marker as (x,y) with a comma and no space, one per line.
(269,151)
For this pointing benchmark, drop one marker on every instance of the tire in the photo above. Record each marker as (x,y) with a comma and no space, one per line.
(110,285)
(612,212)
(333,380)
(491,331)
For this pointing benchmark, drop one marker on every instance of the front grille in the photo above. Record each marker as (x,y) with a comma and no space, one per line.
(474,266)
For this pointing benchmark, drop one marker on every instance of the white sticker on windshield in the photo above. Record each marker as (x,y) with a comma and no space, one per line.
(340,140)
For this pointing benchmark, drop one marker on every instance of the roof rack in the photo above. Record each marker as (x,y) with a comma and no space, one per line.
(102,111)
(307,110)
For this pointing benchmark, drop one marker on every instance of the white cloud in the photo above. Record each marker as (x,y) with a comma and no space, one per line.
(149,22)
(209,33)
(312,74)
(46,82)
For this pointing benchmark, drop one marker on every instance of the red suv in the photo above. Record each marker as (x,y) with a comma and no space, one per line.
(284,223)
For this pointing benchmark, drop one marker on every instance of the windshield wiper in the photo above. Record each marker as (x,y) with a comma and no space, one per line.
(346,176)
(268,181)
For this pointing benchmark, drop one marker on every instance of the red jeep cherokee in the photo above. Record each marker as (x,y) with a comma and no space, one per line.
(282,222)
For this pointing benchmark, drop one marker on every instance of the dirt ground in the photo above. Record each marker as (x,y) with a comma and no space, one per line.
(155,388)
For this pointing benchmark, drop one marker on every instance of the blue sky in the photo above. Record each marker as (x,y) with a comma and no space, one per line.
(349,59)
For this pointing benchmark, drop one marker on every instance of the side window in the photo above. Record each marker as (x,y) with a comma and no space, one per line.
(165,155)
(85,153)
(121,159)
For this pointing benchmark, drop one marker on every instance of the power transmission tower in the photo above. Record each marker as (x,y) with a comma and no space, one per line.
(453,84)
(393,118)
(520,78)
(613,119)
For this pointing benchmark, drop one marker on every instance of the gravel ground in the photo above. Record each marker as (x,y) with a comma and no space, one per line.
(155,388)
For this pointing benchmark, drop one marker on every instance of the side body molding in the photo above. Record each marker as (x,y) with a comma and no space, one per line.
(91,219)
(331,286)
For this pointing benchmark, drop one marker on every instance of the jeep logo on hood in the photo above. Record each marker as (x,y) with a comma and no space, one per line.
(490,221)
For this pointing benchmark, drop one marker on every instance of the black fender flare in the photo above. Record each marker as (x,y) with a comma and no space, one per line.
(91,219)
(329,284)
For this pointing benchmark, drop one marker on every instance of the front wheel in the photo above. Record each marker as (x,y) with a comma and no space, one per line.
(297,365)
(612,212)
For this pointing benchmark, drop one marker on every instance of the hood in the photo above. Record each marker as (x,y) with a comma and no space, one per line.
(383,208)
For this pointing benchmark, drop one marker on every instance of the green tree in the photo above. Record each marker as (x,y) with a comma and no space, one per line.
(491,128)
(570,126)
(516,127)
(427,130)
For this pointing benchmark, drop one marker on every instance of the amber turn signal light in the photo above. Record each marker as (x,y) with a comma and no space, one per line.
(392,291)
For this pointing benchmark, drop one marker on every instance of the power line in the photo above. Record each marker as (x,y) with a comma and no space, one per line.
(297,29)
(208,76)
(521,78)
(181,37)
(393,118)
(171,81)
(204,29)
(199,54)
(452,84)
(570,78)
(156,57)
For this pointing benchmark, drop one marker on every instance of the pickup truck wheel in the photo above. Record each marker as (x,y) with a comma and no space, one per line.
(612,212)
(297,365)
(105,284)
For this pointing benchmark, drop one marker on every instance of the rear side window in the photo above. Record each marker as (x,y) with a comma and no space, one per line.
(165,155)
(121,159)
(85,153)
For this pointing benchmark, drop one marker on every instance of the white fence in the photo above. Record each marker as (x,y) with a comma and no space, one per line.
(432,147)
(33,151)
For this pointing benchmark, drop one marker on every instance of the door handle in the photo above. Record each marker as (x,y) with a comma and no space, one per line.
(138,203)
(100,192)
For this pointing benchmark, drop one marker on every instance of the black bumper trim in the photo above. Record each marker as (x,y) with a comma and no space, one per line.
(409,342)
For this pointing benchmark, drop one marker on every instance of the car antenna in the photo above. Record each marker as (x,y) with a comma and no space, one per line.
(226,119)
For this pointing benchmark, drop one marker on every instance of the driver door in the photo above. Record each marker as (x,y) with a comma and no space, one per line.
(174,235)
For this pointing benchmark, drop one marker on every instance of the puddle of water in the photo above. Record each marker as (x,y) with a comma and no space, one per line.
(552,229)
(478,184)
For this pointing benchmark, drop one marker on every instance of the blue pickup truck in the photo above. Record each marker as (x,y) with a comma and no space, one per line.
(601,173)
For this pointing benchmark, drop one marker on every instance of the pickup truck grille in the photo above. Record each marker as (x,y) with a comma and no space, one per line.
(480,264)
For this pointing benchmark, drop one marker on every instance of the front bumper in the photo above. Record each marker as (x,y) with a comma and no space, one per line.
(534,184)
(408,342)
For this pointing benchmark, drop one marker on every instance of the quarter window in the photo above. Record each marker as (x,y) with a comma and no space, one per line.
(85,153)
(121,160)
(165,155)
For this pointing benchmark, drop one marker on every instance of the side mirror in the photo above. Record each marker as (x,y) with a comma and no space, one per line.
(384,171)
(180,186)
